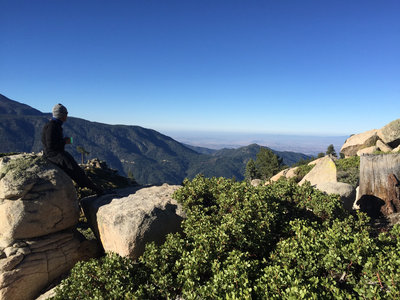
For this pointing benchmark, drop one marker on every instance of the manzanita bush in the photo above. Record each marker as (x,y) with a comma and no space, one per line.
(280,241)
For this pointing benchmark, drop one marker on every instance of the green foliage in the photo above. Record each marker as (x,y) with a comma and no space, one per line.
(107,278)
(302,171)
(320,155)
(378,152)
(251,170)
(266,165)
(331,150)
(380,276)
(280,241)
(302,162)
(234,238)
(348,170)
(319,261)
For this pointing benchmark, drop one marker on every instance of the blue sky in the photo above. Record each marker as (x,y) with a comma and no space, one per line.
(287,67)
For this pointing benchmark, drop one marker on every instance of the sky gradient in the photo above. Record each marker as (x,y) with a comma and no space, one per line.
(286,67)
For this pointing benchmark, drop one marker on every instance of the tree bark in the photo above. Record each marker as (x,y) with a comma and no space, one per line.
(379,185)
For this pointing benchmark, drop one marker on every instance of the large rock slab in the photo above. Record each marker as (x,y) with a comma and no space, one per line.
(29,266)
(36,198)
(390,133)
(125,222)
(383,147)
(324,171)
(359,141)
(376,183)
(346,192)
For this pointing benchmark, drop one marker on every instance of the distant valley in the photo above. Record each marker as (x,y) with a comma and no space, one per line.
(307,144)
(151,157)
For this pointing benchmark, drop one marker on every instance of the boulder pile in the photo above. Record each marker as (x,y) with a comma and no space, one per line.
(38,211)
(386,139)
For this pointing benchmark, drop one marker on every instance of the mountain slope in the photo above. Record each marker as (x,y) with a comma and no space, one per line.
(153,158)
(11,107)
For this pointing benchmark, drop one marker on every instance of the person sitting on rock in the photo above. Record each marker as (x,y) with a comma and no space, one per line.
(54,142)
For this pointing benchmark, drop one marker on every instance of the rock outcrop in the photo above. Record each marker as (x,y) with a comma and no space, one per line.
(28,266)
(390,133)
(384,139)
(38,210)
(36,198)
(378,175)
(126,221)
(359,141)
(324,171)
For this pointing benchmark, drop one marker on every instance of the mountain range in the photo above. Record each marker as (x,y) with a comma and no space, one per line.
(150,156)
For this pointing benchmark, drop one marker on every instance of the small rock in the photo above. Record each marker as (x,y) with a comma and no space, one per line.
(368,150)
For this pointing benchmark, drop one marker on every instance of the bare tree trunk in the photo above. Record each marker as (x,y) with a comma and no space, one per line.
(379,185)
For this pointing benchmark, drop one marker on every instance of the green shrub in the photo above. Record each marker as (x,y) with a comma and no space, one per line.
(348,170)
(302,171)
(280,241)
(110,277)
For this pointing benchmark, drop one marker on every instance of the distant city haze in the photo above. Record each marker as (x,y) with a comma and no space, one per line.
(307,144)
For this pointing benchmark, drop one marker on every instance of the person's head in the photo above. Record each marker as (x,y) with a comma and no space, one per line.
(60,112)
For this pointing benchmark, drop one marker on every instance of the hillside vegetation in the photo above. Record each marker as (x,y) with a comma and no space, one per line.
(150,156)
(280,241)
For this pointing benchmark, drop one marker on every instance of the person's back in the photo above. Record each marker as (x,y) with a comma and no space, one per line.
(52,138)
(53,147)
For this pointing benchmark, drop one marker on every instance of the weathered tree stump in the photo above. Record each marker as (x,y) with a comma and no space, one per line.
(379,186)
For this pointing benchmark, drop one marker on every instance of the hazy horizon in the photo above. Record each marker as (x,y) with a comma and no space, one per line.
(306,144)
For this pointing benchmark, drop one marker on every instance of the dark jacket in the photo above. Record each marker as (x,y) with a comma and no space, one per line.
(53,138)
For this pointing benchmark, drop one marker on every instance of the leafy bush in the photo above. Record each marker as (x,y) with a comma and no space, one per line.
(280,241)
(348,170)
(107,278)
(302,171)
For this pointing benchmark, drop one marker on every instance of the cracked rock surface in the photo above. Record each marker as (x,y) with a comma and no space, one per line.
(38,212)
(36,198)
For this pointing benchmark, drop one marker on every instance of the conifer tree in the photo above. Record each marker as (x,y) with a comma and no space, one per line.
(331,150)
(267,164)
(251,170)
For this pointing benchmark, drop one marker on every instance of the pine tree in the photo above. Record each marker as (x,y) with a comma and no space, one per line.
(331,151)
(251,170)
(267,164)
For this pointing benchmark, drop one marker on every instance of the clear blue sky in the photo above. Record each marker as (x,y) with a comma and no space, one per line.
(287,66)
